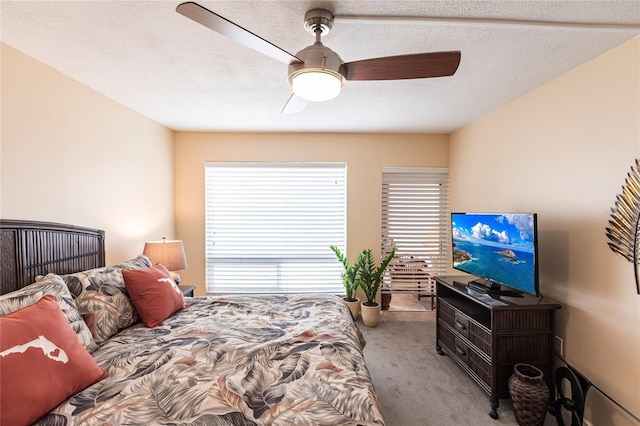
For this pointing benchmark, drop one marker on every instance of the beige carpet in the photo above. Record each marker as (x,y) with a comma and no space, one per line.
(418,387)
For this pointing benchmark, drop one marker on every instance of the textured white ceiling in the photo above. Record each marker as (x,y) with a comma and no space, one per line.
(157,62)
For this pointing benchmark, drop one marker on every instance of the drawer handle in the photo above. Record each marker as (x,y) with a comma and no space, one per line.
(460,325)
(460,351)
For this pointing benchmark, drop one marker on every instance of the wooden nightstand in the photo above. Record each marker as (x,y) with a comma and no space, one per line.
(187,290)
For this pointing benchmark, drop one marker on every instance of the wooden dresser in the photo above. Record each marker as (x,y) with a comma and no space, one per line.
(486,336)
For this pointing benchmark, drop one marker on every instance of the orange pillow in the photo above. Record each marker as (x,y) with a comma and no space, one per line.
(42,362)
(154,294)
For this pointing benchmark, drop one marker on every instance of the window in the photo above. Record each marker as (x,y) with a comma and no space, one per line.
(269,227)
(414,221)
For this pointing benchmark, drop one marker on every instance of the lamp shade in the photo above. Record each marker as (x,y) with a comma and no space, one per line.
(168,252)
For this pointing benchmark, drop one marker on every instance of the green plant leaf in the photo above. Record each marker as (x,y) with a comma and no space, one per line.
(350,275)
(371,275)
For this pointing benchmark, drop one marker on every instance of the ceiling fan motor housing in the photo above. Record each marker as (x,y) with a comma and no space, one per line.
(319,58)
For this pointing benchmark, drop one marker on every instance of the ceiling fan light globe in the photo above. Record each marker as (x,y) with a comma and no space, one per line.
(317,85)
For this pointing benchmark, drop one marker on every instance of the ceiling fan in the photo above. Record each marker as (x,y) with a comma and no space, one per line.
(316,73)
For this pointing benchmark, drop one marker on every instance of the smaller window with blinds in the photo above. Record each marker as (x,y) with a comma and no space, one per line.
(414,221)
(269,227)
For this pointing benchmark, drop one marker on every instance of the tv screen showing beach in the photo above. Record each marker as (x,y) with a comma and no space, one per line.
(496,247)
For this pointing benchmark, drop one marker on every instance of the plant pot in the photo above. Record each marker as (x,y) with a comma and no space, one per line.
(530,395)
(354,307)
(370,314)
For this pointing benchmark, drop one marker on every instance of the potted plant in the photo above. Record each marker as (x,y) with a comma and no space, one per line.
(350,281)
(370,279)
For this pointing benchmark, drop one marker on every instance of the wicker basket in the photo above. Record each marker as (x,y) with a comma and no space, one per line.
(530,395)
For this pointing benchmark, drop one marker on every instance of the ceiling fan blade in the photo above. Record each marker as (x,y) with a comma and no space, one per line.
(294,105)
(419,65)
(235,32)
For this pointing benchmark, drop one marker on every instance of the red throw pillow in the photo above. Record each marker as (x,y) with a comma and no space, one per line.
(42,362)
(154,294)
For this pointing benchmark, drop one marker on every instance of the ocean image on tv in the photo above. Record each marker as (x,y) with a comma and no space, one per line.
(496,247)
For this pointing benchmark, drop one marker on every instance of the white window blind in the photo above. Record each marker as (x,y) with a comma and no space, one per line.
(269,227)
(414,221)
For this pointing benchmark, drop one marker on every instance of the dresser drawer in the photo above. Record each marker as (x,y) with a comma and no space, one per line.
(480,337)
(461,323)
(446,313)
(454,317)
(461,350)
(454,344)
(481,367)
(446,337)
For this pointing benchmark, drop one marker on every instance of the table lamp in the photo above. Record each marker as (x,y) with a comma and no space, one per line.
(168,252)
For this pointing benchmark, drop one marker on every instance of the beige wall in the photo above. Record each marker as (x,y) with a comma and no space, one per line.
(365,155)
(69,154)
(564,151)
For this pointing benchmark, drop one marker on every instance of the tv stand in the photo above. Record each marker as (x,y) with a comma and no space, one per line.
(486,335)
(492,289)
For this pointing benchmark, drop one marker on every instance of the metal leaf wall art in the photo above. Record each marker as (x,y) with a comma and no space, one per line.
(624,227)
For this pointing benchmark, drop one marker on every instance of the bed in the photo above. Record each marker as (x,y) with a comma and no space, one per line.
(215,360)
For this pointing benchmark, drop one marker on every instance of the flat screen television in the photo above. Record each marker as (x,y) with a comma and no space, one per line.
(501,249)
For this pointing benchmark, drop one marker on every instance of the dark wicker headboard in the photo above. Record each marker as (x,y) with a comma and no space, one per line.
(29,248)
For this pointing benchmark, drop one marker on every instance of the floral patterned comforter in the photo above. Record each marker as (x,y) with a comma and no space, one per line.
(233,360)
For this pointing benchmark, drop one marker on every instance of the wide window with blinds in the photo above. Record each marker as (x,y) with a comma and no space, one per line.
(269,227)
(414,221)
